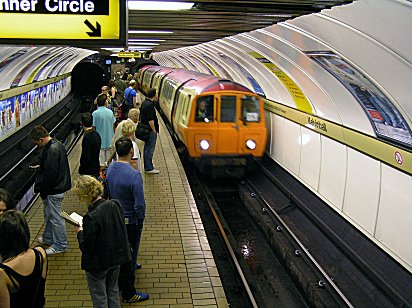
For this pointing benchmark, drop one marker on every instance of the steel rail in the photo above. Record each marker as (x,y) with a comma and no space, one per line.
(210,201)
(293,238)
(363,266)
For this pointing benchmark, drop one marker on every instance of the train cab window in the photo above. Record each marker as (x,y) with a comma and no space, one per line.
(228,109)
(204,109)
(250,109)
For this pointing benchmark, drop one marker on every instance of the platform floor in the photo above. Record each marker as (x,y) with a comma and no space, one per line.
(178,269)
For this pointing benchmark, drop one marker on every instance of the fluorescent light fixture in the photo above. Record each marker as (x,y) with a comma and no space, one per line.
(150,32)
(159,5)
(142,43)
(112,49)
(145,40)
(140,48)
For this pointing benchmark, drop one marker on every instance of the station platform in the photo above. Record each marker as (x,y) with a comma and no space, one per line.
(178,269)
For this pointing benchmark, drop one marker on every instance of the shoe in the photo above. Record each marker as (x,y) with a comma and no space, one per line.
(153,171)
(52,251)
(137,266)
(138,297)
(41,241)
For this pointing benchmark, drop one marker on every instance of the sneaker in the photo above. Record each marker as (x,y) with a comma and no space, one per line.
(137,266)
(138,297)
(153,171)
(41,241)
(52,251)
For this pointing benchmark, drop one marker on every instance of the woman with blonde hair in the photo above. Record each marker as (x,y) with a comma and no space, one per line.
(103,242)
(128,130)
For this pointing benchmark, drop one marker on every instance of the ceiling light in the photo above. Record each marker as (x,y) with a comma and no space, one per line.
(112,49)
(140,48)
(159,5)
(142,43)
(145,40)
(150,31)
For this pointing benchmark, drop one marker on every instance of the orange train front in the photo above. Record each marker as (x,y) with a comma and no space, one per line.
(221,123)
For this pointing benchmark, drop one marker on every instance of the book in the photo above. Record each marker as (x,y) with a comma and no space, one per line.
(73,219)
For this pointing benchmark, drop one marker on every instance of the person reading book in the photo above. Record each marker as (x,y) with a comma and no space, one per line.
(103,242)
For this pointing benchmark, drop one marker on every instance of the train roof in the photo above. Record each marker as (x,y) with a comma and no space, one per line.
(200,82)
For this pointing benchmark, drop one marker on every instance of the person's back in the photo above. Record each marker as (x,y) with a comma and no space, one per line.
(103,120)
(23,293)
(23,271)
(89,159)
(126,185)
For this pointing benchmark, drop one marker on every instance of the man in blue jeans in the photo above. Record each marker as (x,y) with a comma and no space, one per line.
(52,181)
(148,117)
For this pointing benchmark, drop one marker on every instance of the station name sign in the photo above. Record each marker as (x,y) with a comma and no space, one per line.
(63,22)
(90,7)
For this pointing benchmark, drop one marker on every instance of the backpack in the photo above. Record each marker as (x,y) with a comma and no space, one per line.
(102,179)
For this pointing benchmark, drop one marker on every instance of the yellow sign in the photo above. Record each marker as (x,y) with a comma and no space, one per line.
(69,22)
(128,54)
(297,94)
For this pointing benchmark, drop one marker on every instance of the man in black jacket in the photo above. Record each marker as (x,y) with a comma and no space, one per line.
(89,159)
(52,181)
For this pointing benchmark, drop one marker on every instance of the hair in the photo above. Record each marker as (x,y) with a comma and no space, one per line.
(151,93)
(87,119)
(101,99)
(14,234)
(123,146)
(38,132)
(134,112)
(132,82)
(111,83)
(128,128)
(8,199)
(87,188)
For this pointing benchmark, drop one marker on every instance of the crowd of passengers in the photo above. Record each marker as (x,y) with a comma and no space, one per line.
(110,186)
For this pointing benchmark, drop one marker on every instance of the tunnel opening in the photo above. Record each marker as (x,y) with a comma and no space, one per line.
(88,78)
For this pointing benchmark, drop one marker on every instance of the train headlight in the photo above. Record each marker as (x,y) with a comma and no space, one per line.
(204,144)
(250,144)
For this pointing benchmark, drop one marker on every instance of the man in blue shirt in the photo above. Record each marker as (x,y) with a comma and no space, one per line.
(126,185)
(132,99)
(103,121)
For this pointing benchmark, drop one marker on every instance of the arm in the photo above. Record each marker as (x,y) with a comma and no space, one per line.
(152,126)
(87,236)
(4,291)
(134,101)
(45,261)
(138,192)
(112,92)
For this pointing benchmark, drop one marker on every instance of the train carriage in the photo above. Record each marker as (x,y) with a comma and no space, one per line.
(221,123)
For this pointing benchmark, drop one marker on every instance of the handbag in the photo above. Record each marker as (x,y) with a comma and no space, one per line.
(142,131)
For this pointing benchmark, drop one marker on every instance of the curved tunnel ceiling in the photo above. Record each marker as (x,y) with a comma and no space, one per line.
(209,20)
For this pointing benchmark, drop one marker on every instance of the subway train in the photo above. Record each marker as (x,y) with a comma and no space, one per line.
(338,120)
(219,122)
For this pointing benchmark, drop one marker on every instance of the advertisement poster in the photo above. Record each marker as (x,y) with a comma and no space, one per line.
(19,110)
(387,121)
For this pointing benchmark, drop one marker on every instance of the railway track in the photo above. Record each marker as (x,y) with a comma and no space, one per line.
(284,253)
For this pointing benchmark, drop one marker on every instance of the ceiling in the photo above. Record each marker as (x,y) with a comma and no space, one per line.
(209,20)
